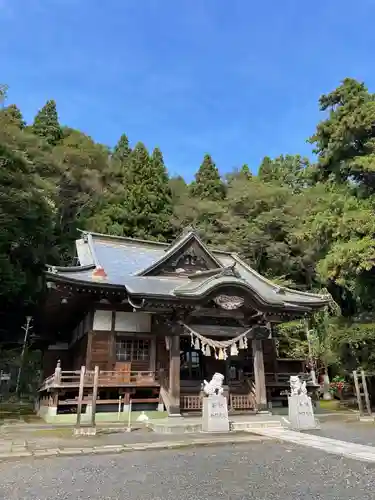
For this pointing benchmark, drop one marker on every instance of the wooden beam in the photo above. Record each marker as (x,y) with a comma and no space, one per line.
(216,313)
(174,374)
(152,366)
(218,330)
(259,375)
(89,349)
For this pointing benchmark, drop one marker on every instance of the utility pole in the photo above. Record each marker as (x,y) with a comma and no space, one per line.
(26,328)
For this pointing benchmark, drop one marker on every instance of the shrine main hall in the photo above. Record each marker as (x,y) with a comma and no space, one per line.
(158,319)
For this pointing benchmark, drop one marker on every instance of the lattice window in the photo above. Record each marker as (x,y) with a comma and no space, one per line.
(132,350)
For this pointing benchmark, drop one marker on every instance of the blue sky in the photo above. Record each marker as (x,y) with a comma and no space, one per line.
(239,79)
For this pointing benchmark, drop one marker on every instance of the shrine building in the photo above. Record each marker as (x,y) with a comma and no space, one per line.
(158,319)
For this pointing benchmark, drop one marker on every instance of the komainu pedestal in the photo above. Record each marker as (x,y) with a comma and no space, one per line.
(301,413)
(215,406)
(215,414)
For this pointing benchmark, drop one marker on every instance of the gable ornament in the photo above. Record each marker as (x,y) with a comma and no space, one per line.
(229,302)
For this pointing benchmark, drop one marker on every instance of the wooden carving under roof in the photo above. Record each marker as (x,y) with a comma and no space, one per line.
(190,259)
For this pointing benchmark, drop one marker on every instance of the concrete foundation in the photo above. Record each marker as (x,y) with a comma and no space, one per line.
(84,431)
(192,425)
(50,416)
(48,413)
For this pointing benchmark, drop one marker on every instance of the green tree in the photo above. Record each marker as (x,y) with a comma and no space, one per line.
(27,227)
(46,124)
(208,183)
(80,183)
(345,140)
(245,171)
(243,174)
(122,150)
(3,93)
(12,115)
(179,188)
(142,206)
(288,170)
(115,175)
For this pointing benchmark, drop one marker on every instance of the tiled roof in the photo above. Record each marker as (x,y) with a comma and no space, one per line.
(125,260)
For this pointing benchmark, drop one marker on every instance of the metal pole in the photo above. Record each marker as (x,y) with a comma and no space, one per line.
(26,328)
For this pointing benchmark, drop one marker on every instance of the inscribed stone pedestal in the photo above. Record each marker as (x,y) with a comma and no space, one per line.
(215,414)
(301,413)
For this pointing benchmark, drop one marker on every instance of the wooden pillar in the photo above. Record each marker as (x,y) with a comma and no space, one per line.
(112,344)
(152,366)
(88,350)
(259,375)
(174,374)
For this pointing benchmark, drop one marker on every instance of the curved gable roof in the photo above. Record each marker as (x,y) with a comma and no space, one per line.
(126,262)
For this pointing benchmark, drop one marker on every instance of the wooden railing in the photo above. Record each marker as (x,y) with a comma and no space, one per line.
(106,379)
(242,402)
(191,403)
(284,378)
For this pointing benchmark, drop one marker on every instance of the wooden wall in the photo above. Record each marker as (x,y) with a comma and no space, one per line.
(77,353)
(162,355)
(101,351)
(269,355)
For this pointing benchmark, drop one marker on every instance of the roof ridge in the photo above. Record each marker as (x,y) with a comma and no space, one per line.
(238,259)
(153,242)
(122,238)
(68,269)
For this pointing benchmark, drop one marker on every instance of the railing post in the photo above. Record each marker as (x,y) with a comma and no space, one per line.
(358,393)
(57,377)
(365,391)
(94,395)
(80,395)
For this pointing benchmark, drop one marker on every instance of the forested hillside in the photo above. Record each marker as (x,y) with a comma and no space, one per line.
(309,226)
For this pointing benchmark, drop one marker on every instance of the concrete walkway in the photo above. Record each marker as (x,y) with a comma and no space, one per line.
(21,440)
(332,446)
(17,449)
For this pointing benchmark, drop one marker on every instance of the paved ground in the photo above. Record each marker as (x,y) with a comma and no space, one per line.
(334,446)
(51,439)
(354,431)
(15,449)
(260,471)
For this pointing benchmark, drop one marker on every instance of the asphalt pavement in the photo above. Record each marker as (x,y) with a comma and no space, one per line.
(258,471)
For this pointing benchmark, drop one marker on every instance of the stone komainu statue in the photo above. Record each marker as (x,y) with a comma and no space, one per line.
(215,386)
(296,386)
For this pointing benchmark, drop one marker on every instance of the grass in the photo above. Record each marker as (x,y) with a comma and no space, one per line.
(332,405)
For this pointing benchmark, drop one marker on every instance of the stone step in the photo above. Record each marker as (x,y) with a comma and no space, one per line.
(175,428)
(182,427)
(249,425)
